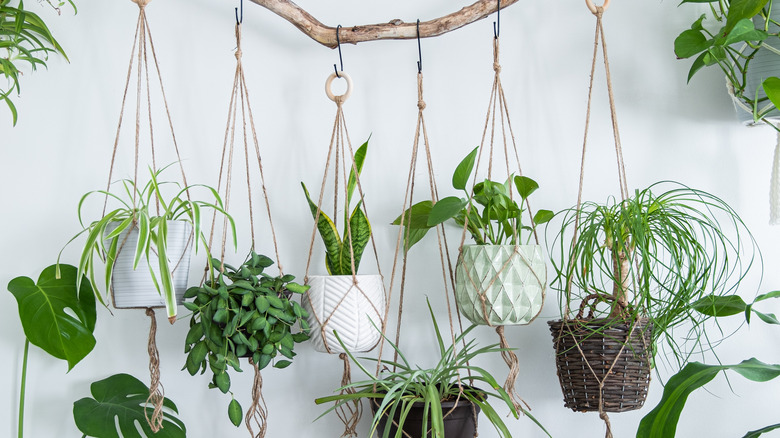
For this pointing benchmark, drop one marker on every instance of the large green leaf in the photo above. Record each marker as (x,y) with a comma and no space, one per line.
(461,176)
(690,42)
(445,209)
(661,422)
(772,89)
(354,243)
(744,30)
(415,221)
(42,310)
(118,407)
(714,305)
(328,232)
(742,9)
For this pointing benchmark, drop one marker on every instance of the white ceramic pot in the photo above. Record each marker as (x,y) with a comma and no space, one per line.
(134,288)
(764,64)
(337,302)
(512,279)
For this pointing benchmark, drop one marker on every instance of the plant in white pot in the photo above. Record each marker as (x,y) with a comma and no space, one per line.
(151,228)
(344,300)
(501,278)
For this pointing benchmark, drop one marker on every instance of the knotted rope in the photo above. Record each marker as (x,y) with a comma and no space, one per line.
(156,390)
(350,412)
(258,411)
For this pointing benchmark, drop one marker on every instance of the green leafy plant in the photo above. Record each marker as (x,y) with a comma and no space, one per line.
(342,255)
(243,312)
(25,39)
(494,214)
(145,209)
(733,46)
(652,256)
(119,406)
(394,391)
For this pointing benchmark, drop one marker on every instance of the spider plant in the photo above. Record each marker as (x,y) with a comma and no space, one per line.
(652,255)
(394,392)
(146,209)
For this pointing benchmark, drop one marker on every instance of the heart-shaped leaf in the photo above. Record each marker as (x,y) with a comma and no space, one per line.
(118,406)
(42,310)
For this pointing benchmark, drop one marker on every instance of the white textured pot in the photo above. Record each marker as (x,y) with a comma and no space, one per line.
(512,279)
(765,64)
(133,289)
(337,302)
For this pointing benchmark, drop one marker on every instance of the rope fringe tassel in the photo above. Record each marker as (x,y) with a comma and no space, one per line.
(156,390)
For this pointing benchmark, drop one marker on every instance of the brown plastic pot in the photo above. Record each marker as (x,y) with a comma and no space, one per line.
(460,423)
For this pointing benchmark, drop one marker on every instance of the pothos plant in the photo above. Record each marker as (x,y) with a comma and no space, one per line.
(495,212)
(732,43)
(243,312)
(342,254)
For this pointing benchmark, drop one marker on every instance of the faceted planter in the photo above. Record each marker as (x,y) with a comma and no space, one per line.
(460,423)
(134,288)
(511,278)
(338,302)
(589,351)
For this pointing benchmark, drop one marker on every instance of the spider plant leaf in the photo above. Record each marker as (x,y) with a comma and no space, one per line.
(328,233)
(168,291)
(763,430)
(355,244)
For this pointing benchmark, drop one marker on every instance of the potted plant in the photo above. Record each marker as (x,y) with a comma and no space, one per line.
(501,278)
(435,401)
(148,226)
(343,298)
(631,270)
(243,312)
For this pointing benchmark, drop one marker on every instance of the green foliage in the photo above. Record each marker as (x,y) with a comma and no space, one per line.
(42,310)
(341,253)
(243,312)
(720,306)
(118,407)
(24,39)
(499,223)
(394,391)
(661,422)
(732,47)
(655,256)
(146,209)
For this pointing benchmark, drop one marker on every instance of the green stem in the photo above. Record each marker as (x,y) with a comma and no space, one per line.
(22,390)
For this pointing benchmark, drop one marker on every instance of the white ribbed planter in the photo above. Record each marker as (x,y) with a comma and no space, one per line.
(335,302)
(133,289)
(764,64)
(512,280)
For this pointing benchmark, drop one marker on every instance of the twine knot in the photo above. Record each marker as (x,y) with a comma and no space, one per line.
(238,54)
(599,11)
(141,3)
(496,67)
(339,100)
(421,104)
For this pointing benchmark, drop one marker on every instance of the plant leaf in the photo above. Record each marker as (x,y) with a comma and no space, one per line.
(461,176)
(445,209)
(741,10)
(525,186)
(360,157)
(122,397)
(354,244)
(763,430)
(235,413)
(42,308)
(713,305)
(328,233)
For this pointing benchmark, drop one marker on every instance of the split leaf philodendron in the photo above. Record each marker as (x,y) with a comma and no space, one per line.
(343,254)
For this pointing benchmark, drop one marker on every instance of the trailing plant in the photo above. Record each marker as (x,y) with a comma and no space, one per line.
(25,39)
(145,209)
(652,256)
(394,391)
(343,254)
(732,47)
(243,312)
(495,215)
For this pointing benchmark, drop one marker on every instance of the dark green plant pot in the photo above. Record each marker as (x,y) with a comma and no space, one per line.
(460,423)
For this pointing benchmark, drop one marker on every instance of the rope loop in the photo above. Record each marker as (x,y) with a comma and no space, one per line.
(597,10)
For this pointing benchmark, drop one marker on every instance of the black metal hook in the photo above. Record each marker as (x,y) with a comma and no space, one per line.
(239,21)
(341,60)
(497,23)
(419,48)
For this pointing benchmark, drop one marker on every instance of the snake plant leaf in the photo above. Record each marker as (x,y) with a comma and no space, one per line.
(328,233)
(360,157)
(118,407)
(42,310)
(354,243)
(461,176)
(661,422)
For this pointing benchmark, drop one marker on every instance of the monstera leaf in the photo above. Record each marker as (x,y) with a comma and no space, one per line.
(118,406)
(42,310)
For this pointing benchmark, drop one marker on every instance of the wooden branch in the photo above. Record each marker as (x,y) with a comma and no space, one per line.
(393,30)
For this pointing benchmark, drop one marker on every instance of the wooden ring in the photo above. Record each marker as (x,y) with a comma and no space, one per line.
(346,94)
(593,8)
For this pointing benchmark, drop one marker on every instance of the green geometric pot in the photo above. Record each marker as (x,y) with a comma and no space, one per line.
(511,279)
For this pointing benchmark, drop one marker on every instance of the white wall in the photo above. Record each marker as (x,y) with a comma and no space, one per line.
(61,148)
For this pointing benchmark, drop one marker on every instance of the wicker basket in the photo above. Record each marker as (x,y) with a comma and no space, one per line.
(600,341)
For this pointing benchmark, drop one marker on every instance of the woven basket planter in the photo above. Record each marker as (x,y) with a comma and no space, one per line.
(600,340)
(337,302)
(512,279)
(135,288)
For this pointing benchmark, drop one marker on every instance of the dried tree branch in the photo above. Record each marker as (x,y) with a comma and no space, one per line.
(393,30)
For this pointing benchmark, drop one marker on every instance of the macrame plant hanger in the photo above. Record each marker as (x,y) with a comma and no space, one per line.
(402,242)
(144,44)
(498,110)
(598,12)
(341,155)
(257,415)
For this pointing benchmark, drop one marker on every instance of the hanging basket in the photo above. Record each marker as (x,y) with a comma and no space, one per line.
(764,64)
(351,306)
(500,284)
(460,422)
(590,351)
(135,288)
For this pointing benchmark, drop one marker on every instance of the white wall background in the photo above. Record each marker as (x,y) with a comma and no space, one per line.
(61,149)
